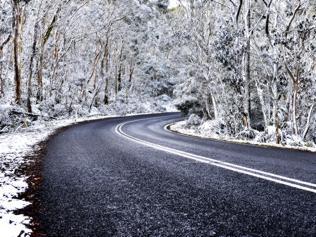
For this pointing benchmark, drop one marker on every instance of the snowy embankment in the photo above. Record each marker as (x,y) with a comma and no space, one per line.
(206,130)
(14,150)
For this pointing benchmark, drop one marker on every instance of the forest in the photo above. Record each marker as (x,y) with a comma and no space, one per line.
(245,67)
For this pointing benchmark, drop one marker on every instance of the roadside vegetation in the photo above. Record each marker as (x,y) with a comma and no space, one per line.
(249,70)
(248,66)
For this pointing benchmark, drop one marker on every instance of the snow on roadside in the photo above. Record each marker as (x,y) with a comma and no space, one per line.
(14,148)
(205,131)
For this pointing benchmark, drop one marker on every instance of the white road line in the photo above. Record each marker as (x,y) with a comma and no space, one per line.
(310,187)
(258,171)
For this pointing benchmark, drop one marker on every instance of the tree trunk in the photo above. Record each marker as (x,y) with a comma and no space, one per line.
(1,78)
(119,80)
(29,87)
(17,70)
(55,65)
(263,105)
(214,107)
(39,78)
(119,72)
(131,72)
(308,123)
(246,67)
(104,71)
(106,97)
(294,106)
(44,40)
(208,113)
(295,88)
(276,120)
(93,75)
(1,64)
(96,92)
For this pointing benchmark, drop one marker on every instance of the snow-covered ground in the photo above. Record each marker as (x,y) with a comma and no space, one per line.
(14,148)
(206,130)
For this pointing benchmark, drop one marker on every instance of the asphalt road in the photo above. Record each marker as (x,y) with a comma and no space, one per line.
(102,179)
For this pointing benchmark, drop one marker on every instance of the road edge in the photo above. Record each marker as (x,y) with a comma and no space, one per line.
(33,170)
(168,128)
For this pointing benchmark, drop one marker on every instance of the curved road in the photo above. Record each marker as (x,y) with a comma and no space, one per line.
(131,177)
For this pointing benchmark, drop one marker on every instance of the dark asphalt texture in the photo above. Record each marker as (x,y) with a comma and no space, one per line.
(97,183)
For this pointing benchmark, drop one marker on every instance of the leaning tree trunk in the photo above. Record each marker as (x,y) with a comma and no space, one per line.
(1,64)
(44,39)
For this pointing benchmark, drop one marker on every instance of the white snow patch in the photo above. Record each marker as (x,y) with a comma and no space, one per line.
(177,3)
(14,225)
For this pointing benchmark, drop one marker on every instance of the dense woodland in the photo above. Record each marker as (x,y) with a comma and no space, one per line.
(247,65)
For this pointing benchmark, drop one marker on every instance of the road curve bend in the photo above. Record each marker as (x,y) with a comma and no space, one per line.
(128,176)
